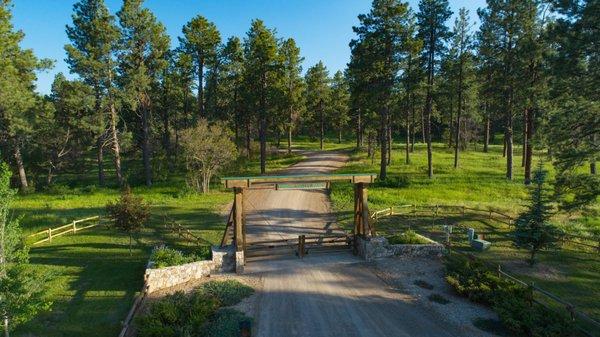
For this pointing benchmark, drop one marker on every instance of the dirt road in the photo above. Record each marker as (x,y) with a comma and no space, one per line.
(323,295)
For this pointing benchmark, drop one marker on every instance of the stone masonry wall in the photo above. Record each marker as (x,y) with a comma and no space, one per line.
(157,279)
(379,247)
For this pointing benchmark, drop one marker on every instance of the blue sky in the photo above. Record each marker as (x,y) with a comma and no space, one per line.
(322,28)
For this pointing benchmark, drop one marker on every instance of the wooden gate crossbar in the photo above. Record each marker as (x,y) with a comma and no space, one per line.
(362,224)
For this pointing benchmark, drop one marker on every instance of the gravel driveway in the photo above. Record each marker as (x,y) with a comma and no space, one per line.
(333,294)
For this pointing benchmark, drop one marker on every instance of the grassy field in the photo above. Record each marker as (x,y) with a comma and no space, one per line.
(479,182)
(94,279)
(93,276)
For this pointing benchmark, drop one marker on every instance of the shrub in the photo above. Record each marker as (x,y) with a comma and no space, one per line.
(393,182)
(228,292)
(472,279)
(524,319)
(166,257)
(227,323)
(409,237)
(177,315)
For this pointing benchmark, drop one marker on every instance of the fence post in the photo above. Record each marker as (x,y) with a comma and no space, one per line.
(531,289)
(74,226)
(392,211)
(50,234)
(571,311)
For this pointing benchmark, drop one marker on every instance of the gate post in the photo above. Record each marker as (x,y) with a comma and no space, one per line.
(238,220)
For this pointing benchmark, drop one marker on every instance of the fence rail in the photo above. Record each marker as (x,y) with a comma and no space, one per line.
(501,217)
(571,309)
(137,303)
(51,233)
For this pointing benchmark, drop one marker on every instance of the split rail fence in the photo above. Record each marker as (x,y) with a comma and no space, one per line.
(586,325)
(439,211)
(73,227)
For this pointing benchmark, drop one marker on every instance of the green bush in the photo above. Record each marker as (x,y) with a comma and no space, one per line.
(472,279)
(177,315)
(229,292)
(524,319)
(393,182)
(227,323)
(166,257)
(408,238)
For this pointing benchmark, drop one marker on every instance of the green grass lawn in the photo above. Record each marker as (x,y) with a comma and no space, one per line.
(479,182)
(93,276)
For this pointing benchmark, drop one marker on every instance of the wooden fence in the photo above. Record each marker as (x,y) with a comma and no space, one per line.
(492,214)
(73,227)
(184,233)
(137,304)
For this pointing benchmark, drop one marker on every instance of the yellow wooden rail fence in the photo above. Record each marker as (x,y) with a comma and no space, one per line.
(73,227)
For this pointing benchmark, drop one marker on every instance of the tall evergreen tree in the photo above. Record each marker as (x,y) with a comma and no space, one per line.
(382,33)
(17,97)
(142,59)
(339,103)
(504,22)
(260,74)
(462,44)
(431,19)
(232,82)
(317,97)
(200,40)
(574,125)
(292,85)
(411,78)
(94,41)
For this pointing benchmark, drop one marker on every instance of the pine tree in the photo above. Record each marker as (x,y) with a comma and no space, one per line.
(200,40)
(260,75)
(431,19)
(292,86)
(464,63)
(21,288)
(532,229)
(381,34)
(17,97)
(144,46)
(232,82)
(339,103)
(317,97)
(574,125)
(94,41)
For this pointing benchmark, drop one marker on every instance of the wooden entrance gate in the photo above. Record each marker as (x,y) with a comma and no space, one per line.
(236,226)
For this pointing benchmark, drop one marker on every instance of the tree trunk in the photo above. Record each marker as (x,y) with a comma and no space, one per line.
(263,127)
(339,135)
(458,113)
(390,141)
(509,146)
(412,124)
(289,133)
(115,143)
(529,147)
(407,126)
(322,123)
(525,139)
(248,145)
(146,141)
(100,159)
(383,133)
(358,130)
(593,159)
(6,331)
(200,85)
(486,131)
(20,166)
